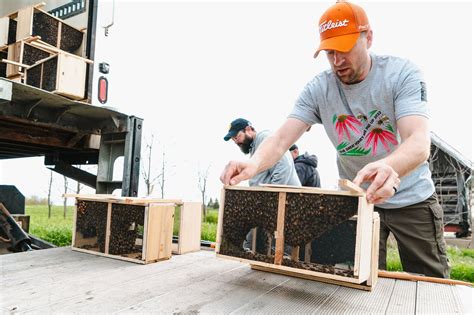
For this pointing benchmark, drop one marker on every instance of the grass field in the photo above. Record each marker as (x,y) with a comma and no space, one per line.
(58,231)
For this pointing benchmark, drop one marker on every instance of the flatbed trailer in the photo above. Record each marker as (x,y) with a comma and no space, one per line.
(60,280)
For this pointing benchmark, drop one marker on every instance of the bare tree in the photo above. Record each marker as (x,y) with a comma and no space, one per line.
(202,183)
(162,176)
(78,187)
(49,193)
(147,170)
(65,198)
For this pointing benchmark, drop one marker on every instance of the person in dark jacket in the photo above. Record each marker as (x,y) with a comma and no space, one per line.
(306,165)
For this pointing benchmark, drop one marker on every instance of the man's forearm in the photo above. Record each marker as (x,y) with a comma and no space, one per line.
(410,154)
(272,148)
(268,153)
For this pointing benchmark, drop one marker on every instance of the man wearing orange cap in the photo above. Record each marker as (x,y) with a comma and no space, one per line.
(374,110)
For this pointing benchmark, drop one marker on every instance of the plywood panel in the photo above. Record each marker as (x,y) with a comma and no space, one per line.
(190,227)
(159,232)
(71,76)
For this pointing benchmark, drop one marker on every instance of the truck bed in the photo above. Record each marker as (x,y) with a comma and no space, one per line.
(62,280)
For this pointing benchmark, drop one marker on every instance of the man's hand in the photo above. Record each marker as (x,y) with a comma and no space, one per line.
(384,181)
(236,171)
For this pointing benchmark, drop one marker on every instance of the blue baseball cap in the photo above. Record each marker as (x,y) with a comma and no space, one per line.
(235,126)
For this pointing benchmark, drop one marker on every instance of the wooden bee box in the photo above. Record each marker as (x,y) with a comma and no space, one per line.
(63,74)
(23,52)
(188,219)
(130,229)
(32,21)
(290,221)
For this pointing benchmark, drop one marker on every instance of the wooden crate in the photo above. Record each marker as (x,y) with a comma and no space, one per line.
(288,220)
(33,21)
(25,53)
(130,229)
(188,219)
(63,74)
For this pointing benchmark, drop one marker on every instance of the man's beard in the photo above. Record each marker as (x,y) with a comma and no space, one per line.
(246,144)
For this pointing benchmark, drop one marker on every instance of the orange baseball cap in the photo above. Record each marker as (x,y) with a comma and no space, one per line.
(340,27)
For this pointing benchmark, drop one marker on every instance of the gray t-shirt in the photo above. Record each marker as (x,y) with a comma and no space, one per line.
(282,173)
(360,119)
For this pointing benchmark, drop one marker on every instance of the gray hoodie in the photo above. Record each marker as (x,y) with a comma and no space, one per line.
(306,168)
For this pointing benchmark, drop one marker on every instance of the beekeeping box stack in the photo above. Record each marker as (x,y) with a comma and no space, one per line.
(324,235)
(41,50)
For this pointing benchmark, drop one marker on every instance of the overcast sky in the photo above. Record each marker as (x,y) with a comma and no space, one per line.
(190,68)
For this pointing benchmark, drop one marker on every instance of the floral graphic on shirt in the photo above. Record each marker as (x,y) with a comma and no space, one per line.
(344,123)
(373,130)
(378,134)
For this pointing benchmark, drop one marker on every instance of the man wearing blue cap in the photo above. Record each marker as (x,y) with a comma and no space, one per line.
(248,139)
(283,172)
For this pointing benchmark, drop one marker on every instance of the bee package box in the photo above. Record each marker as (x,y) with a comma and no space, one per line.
(126,228)
(24,53)
(32,21)
(188,219)
(62,74)
(324,235)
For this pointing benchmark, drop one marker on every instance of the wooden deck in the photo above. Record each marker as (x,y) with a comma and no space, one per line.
(60,280)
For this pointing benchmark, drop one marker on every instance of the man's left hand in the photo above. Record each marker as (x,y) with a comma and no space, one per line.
(384,181)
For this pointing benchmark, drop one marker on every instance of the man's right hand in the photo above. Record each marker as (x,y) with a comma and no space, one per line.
(237,171)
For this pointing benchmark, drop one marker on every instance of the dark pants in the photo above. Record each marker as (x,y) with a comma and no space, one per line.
(418,230)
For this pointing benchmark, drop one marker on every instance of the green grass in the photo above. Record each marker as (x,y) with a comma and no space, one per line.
(55,230)
(461,260)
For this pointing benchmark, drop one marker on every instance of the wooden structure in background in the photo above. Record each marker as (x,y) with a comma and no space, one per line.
(287,210)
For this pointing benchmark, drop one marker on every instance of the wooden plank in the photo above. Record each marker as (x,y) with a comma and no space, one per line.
(347,184)
(311,277)
(414,277)
(280,232)
(14,14)
(14,54)
(4,28)
(11,62)
(302,272)
(159,232)
(403,298)
(137,261)
(349,301)
(220,220)
(435,298)
(24,27)
(363,250)
(107,227)
(374,271)
(122,200)
(145,228)
(40,44)
(295,296)
(292,189)
(190,227)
